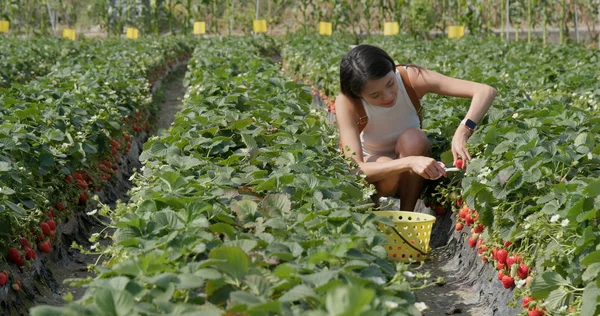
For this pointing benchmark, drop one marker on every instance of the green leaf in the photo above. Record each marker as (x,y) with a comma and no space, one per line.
(346,300)
(277,204)
(299,292)
(236,263)
(591,272)
(245,244)
(593,257)
(593,189)
(46,159)
(89,148)
(540,288)
(16,208)
(244,208)
(169,219)
(189,281)
(267,185)
(244,298)
(114,302)
(590,299)
(4,166)
(557,298)
(223,228)
(45,310)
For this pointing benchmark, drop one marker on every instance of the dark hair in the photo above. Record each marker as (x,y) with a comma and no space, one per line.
(361,64)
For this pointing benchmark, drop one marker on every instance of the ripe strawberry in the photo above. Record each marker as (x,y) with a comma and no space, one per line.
(502,255)
(60,206)
(478,229)
(469,220)
(507,244)
(82,198)
(78,176)
(440,210)
(52,224)
(494,253)
(107,163)
(459,202)
(45,228)
(458,163)
(25,242)
(3,279)
(82,184)
(113,143)
(523,271)
(535,312)
(45,246)
(472,242)
(30,254)
(127,137)
(527,300)
(511,260)
(463,212)
(69,179)
(507,282)
(482,249)
(14,255)
(500,266)
(484,259)
(500,275)
(459,226)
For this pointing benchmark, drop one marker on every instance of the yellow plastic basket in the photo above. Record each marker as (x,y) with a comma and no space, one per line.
(409,239)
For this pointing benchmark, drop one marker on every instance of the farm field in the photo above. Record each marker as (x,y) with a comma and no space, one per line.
(245,206)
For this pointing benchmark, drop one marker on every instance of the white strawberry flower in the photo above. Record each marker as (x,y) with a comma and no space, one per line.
(554,218)
(516,115)
(421,306)
(408,274)
(390,304)
(520,283)
(564,223)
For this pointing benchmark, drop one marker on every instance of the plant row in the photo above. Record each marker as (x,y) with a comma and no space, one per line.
(531,191)
(62,136)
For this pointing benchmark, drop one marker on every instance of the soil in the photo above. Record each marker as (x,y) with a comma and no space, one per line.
(47,281)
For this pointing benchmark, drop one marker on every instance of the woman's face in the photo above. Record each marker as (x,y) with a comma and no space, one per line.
(381,92)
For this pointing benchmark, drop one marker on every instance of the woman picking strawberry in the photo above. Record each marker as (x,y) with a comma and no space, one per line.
(378,114)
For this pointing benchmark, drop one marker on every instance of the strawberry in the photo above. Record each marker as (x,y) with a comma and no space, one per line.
(507,244)
(494,253)
(507,282)
(440,210)
(478,229)
(78,176)
(30,254)
(113,143)
(127,137)
(459,226)
(69,179)
(458,202)
(45,246)
(472,242)
(500,275)
(482,249)
(14,255)
(484,259)
(52,224)
(60,206)
(469,220)
(45,228)
(3,279)
(17,286)
(502,254)
(82,198)
(523,271)
(113,150)
(25,242)
(527,300)
(107,163)
(511,260)
(535,312)
(82,184)
(458,163)
(500,266)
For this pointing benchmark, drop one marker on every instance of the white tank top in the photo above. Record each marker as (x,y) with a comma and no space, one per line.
(386,124)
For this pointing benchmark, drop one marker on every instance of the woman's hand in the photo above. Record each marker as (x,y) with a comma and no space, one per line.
(427,167)
(459,144)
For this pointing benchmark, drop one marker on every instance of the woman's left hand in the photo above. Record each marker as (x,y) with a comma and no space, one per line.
(459,144)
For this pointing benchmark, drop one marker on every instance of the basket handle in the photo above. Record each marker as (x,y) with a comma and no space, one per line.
(407,242)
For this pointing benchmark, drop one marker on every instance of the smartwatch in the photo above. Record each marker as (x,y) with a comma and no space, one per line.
(469,124)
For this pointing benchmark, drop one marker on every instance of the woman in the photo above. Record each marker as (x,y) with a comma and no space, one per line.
(392,150)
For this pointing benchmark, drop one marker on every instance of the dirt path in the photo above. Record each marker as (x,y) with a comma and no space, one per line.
(68,263)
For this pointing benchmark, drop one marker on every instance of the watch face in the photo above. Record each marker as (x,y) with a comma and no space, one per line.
(470,124)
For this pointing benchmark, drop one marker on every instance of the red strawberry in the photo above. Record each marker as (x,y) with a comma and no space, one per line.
(518,259)
(511,260)
(459,202)
(500,275)
(40,237)
(14,255)
(52,224)
(494,253)
(458,163)
(484,259)
(459,226)
(507,282)
(3,279)
(469,220)
(113,143)
(478,229)
(17,286)
(127,137)
(502,254)
(45,228)
(527,300)
(440,210)
(507,244)
(472,242)
(113,150)
(82,184)
(482,249)
(523,271)
(535,312)
(78,176)
(69,179)
(60,206)
(45,246)
(500,266)
(25,242)
(107,163)
(30,254)
(82,198)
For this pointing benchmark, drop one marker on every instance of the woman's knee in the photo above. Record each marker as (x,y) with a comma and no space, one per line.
(412,142)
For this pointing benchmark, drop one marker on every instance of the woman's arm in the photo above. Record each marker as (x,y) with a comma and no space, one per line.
(482,95)
(347,120)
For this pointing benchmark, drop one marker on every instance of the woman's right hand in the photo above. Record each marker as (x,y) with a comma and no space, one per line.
(427,167)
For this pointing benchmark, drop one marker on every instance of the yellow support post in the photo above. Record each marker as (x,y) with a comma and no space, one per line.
(4,26)
(199,28)
(456,31)
(390,28)
(69,34)
(325,28)
(259,26)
